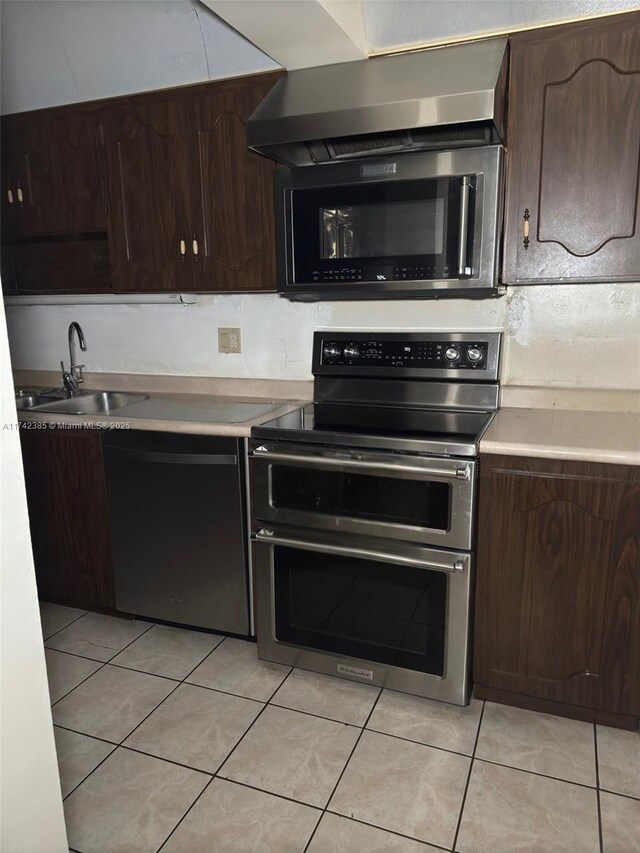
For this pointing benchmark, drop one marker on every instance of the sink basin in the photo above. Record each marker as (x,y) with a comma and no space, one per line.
(97,403)
(29,398)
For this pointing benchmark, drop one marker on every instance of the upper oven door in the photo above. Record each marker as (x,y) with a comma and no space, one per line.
(411,223)
(409,498)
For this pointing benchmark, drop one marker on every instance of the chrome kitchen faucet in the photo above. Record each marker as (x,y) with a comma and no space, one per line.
(73,377)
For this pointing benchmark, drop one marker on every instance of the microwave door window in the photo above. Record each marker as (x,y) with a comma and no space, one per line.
(373,232)
(385,230)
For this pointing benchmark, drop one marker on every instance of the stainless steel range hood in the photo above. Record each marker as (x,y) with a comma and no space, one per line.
(440,98)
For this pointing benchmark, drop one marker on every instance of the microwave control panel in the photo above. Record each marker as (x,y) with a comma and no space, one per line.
(381,273)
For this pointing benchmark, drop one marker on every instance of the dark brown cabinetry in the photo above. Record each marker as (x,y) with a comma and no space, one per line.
(67,508)
(557,616)
(573,153)
(191,206)
(54,227)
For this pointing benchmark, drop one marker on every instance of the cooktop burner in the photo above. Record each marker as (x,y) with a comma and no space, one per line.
(413,392)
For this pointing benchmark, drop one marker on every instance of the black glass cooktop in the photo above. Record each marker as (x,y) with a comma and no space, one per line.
(411,429)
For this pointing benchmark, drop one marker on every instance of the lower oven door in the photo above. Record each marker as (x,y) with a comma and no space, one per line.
(411,498)
(389,614)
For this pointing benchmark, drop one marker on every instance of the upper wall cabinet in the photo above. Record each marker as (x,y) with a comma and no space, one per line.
(234,213)
(51,180)
(54,226)
(573,157)
(191,207)
(146,143)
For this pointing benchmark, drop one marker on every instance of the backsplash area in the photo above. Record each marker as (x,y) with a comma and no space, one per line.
(559,335)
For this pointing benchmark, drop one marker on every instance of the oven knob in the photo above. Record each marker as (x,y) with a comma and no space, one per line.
(351,352)
(331,352)
(452,353)
(474,354)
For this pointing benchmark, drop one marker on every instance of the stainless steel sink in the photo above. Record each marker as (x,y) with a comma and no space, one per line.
(96,403)
(30,398)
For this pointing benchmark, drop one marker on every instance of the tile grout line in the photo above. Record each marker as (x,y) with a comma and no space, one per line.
(102,666)
(46,639)
(536,773)
(598,806)
(343,771)
(223,762)
(389,831)
(466,787)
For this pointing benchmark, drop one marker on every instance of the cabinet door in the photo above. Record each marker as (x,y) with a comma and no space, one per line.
(10,206)
(146,144)
(558,582)
(573,156)
(54,158)
(234,217)
(68,516)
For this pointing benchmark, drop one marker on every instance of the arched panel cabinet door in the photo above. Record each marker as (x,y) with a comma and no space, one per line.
(557,613)
(233,217)
(574,153)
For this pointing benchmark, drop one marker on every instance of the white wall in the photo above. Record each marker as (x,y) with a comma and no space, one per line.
(556,335)
(31,817)
(397,23)
(65,51)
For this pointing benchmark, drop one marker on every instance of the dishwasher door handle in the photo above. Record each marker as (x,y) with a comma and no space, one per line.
(177,458)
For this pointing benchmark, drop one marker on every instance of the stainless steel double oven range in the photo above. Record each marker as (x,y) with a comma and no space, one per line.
(363,511)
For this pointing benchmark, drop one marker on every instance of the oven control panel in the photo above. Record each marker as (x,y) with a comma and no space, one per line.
(433,354)
(428,354)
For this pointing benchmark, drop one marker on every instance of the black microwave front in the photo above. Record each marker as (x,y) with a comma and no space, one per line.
(412,226)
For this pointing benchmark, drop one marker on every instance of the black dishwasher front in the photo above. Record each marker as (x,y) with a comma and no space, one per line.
(177,520)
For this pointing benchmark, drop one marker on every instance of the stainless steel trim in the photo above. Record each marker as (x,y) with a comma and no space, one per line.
(463,269)
(272,536)
(177,458)
(459,531)
(248,501)
(432,88)
(326,461)
(485,164)
(401,393)
(453,686)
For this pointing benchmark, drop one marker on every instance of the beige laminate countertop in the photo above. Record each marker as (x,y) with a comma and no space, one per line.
(164,410)
(573,434)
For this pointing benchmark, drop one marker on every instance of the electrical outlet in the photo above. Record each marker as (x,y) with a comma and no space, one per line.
(229,340)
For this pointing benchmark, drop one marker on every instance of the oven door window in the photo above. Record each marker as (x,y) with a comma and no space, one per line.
(383,612)
(376,231)
(391,500)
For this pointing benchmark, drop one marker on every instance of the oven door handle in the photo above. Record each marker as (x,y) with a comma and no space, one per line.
(461,472)
(272,538)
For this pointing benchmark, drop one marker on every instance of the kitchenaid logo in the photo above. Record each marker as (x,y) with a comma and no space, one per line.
(345,669)
(368,169)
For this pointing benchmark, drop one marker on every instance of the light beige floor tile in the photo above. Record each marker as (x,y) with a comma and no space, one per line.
(54,617)
(433,723)
(64,672)
(172,652)
(339,835)
(510,810)
(235,819)
(97,636)
(405,787)
(78,755)
(619,761)
(111,703)
(234,667)
(292,754)
(542,743)
(620,824)
(130,804)
(335,698)
(195,726)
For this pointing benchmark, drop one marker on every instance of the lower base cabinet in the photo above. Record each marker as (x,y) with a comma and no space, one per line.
(65,485)
(557,604)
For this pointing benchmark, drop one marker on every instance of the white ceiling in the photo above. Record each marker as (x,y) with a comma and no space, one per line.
(65,51)
(402,23)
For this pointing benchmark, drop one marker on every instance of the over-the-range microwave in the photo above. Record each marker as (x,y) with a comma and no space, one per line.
(411,225)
